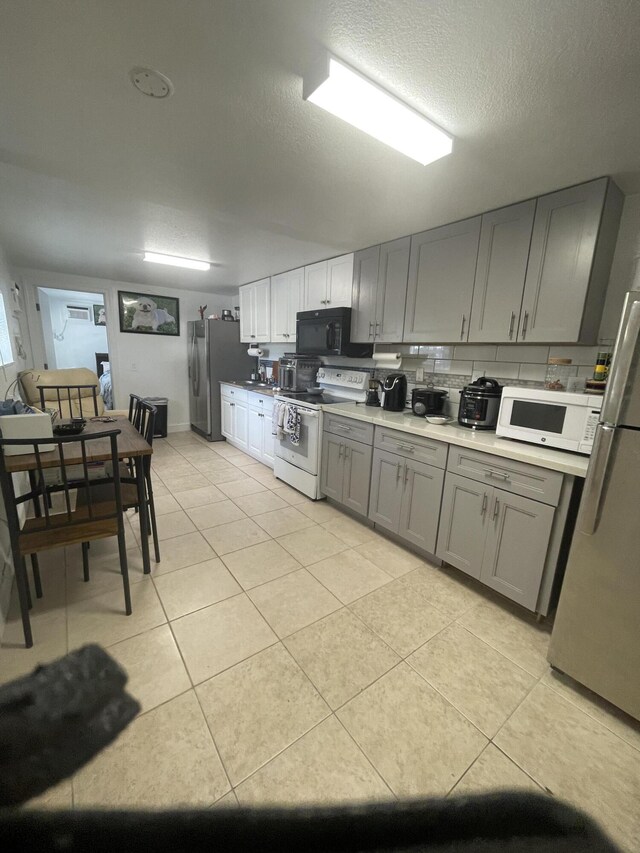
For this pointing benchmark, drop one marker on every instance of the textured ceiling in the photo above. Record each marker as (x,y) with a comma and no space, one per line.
(236,168)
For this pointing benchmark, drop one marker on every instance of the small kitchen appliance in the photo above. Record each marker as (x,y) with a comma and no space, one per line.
(298,372)
(372,394)
(479,404)
(394,392)
(427,401)
(551,418)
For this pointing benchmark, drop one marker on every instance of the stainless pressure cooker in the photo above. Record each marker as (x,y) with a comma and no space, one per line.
(480,403)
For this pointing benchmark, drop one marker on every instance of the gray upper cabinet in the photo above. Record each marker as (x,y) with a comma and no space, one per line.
(379,292)
(364,294)
(463,524)
(442,270)
(516,546)
(574,234)
(505,238)
(393,273)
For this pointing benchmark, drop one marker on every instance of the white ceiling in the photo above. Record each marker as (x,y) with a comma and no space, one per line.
(235,167)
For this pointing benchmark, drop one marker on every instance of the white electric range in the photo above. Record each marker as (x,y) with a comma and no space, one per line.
(299,464)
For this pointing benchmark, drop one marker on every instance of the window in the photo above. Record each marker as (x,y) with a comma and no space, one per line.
(6,354)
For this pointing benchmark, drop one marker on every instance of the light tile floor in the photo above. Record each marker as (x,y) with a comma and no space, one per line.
(283,652)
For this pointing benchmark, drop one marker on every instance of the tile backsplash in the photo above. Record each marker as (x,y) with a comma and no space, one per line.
(454,366)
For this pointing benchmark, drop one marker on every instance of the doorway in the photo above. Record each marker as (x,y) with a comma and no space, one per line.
(74,332)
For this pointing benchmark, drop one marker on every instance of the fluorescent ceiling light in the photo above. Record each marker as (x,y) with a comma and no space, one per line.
(170,260)
(338,89)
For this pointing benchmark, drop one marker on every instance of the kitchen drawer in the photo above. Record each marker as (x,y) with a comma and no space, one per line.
(417,447)
(348,427)
(260,401)
(234,393)
(540,484)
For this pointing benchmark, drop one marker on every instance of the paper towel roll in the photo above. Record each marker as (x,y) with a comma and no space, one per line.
(255,352)
(387,359)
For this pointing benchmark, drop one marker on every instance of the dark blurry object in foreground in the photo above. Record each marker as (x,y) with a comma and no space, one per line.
(56,719)
(490,823)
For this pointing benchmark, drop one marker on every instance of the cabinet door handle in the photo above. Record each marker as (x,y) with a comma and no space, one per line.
(340,451)
(463,324)
(327,302)
(408,447)
(376,331)
(252,336)
(347,452)
(370,330)
(496,507)
(497,474)
(342,426)
(513,320)
(398,471)
(232,404)
(406,473)
(483,509)
(525,323)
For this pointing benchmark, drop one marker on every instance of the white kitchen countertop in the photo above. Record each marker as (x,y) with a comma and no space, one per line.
(453,433)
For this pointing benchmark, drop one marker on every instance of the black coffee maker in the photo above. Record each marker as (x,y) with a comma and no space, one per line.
(372,393)
(394,392)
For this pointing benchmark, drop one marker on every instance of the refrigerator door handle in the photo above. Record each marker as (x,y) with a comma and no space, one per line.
(195,366)
(593,494)
(623,359)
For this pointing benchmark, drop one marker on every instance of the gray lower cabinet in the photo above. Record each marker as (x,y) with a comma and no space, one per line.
(516,546)
(357,476)
(332,469)
(345,474)
(495,536)
(405,498)
(463,524)
(386,489)
(442,270)
(420,506)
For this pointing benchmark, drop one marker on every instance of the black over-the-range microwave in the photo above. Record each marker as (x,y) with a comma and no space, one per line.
(328,332)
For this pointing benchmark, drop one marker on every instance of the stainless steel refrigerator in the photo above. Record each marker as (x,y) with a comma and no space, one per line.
(215,354)
(596,635)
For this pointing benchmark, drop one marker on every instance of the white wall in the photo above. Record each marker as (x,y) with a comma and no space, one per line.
(8,373)
(82,339)
(140,364)
(625,274)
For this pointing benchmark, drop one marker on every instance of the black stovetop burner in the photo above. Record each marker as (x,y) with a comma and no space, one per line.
(315,399)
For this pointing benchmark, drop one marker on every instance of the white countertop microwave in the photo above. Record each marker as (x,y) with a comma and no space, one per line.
(551,418)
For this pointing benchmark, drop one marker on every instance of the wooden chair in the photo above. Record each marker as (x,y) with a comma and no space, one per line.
(67,395)
(142,415)
(93,517)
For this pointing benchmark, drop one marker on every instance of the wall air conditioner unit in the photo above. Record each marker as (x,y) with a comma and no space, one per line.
(78,312)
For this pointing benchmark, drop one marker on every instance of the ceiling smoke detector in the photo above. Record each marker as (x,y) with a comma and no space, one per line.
(151,82)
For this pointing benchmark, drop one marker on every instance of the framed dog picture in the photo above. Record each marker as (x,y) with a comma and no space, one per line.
(144,314)
(99,315)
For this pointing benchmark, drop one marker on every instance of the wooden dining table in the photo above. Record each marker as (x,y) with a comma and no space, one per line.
(131,445)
